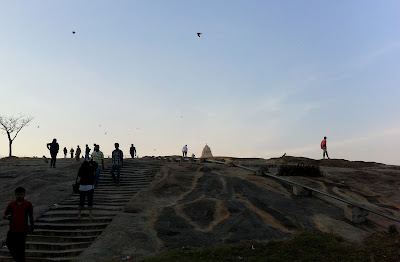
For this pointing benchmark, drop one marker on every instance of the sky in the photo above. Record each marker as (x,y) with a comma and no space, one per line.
(265,78)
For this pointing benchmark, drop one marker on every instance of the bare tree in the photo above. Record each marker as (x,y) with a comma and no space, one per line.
(12,126)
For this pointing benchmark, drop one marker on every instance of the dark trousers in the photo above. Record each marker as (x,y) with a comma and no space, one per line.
(113,169)
(53,160)
(82,197)
(16,245)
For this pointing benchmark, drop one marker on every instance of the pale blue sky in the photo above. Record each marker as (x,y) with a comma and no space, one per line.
(265,78)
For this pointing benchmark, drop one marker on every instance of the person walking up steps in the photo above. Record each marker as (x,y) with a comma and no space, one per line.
(98,157)
(323,147)
(117,163)
(78,154)
(18,212)
(53,147)
(87,151)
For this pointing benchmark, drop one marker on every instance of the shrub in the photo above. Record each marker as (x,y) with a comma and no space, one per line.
(300,170)
(393,229)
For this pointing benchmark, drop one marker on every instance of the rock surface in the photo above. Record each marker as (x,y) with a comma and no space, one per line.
(193,204)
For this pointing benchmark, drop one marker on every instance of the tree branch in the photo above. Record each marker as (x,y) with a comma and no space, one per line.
(24,123)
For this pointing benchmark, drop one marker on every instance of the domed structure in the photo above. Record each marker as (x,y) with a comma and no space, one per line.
(206,152)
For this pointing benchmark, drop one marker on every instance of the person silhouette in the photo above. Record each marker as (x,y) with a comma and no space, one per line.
(78,154)
(19,212)
(132,151)
(87,151)
(184,151)
(53,147)
(324,148)
(72,152)
(117,163)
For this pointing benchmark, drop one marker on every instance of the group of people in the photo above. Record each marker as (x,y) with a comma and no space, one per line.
(89,174)
(54,148)
(78,152)
(90,170)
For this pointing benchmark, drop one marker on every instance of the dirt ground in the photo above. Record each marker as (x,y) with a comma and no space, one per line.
(193,204)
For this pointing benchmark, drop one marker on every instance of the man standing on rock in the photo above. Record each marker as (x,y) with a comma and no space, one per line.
(117,163)
(65,152)
(184,151)
(53,147)
(18,213)
(132,151)
(323,147)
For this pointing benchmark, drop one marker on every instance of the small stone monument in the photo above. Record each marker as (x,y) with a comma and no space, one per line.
(206,152)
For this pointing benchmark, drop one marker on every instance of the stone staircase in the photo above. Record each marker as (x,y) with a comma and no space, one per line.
(60,236)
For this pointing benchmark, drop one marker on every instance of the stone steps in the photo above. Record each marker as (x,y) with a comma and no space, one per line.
(96,207)
(60,239)
(33,253)
(72,213)
(71,226)
(61,236)
(65,232)
(39,259)
(40,245)
(67,220)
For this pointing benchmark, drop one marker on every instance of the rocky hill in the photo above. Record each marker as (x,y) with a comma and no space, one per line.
(204,204)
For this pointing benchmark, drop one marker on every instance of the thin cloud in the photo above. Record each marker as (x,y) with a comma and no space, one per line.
(383,51)
(306,108)
(270,104)
(348,67)
(353,141)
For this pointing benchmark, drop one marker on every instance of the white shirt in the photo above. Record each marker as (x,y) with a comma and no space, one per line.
(85,187)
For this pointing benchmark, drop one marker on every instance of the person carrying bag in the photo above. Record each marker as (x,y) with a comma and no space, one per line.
(86,185)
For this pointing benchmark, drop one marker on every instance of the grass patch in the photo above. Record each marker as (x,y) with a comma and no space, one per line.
(382,247)
(300,170)
(321,247)
(304,247)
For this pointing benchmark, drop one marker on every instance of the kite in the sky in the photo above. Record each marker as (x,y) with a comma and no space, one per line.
(198,34)
(73,32)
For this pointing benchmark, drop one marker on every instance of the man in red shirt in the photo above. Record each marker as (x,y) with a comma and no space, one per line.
(323,147)
(18,212)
